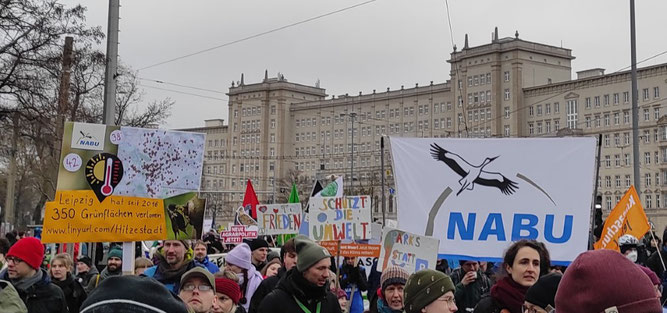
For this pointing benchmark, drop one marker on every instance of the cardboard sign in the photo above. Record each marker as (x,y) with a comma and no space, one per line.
(342,218)
(236,234)
(277,219)
(352,249)
(124,168)
(77,216)
(410,251)
(627,217)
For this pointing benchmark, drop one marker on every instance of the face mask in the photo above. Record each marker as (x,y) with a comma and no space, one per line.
(632,256)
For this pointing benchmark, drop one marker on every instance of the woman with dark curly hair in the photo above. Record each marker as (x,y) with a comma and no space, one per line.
(524,262)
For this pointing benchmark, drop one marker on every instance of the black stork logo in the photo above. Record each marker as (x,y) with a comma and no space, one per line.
(472,175)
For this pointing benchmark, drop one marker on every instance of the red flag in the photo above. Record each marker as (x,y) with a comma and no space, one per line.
(250,201)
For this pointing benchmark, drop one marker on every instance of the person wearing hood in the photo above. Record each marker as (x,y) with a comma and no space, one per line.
(61,275)
(174,259)
(239,261)
(85,270)
(33,284)
(202,258)
(114,268)
(288,258)
(10,302)
(304,288)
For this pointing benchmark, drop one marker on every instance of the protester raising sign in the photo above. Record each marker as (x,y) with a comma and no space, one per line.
(277,219)
(410,251)
(627,217)
(478,195)
(342,218)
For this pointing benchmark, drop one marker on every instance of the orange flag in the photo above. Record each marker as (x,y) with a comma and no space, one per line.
(628,217)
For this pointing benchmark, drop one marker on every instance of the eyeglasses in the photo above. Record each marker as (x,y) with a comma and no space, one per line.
(191,287)
(450,301)
(14,260)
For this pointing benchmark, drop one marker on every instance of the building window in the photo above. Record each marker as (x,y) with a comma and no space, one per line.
(617,160)
(607,121)
(656,94)
(617,118)
(556,107)
(606,100)
(627,181)
(626,96)
(507,130)
(607,161)
(647,115)
(547,126)
(647,179)
(507,76)
(531,129)
(647,158)
(616,99)
(609,203)
(531,110)
(607,181)
(588,103)
(606,140)
(656,113)
(507,112)
(618,181)
(273,109)
(645,94)
(587,120)
(596,99)
(507,94)
(547,109)
(572,114)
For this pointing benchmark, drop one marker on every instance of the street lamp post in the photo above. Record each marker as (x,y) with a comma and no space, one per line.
(352,116)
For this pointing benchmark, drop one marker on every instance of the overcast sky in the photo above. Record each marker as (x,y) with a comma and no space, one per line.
(385,43)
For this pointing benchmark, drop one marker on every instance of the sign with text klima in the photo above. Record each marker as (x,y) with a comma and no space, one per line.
(340,218)
(478,195)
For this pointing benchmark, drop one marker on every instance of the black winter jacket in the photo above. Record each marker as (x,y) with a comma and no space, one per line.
(74,293)
(43,296)
(294,286)
(265,287)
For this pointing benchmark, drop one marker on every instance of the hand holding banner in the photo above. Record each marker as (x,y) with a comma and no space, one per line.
(627,217)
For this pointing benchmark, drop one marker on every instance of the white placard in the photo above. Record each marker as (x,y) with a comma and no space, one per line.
(88,136)
(478,195)
(409,251)
(277,219)
(72,162)
(342,218)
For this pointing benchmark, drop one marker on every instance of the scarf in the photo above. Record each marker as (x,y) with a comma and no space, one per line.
(509,294)
(384,308)
(67,286)
(166,275)
(26,282)
(106,273)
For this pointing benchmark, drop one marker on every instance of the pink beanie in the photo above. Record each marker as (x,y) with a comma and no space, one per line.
(239,256)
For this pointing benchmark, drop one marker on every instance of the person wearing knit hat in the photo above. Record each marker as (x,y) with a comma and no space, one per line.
(228,293)
(304,288)
(390,294)
(260,249)
(114,268)
(24,273)
(540,297)
(471,283)
(657,284)
(174,258)
(429,291)
(132,294)
(198,290)
(288,260)
(342,299)
(605,281)
(238,261)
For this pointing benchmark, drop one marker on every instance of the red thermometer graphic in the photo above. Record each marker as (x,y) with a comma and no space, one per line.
(107,189)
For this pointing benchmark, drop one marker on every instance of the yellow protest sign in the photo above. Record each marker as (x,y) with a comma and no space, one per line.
(627,217)
(78,216)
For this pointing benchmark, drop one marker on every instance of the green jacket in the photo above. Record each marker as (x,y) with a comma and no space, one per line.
(10,302)
(468,296)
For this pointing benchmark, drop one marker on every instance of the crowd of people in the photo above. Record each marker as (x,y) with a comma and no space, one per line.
(304,277)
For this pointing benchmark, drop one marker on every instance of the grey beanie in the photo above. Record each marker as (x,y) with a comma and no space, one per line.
(308,253)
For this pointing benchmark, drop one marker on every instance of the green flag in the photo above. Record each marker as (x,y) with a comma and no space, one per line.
(294,195)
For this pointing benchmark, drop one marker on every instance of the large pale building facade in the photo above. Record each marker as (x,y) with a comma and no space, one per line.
(281,132)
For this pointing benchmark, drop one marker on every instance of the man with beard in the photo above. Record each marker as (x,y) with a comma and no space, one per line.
(202,258)
(33,284)
(114,268)
(304,288)
(174,259)
(198,290)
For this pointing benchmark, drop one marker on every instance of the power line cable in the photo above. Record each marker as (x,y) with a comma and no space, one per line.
(184,93)
(257,35)
(179,85)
